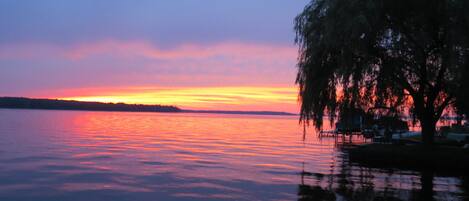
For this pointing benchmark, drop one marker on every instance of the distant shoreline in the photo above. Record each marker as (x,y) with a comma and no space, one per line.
(71,105)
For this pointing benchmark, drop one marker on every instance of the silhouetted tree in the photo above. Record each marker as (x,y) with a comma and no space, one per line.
(411,55)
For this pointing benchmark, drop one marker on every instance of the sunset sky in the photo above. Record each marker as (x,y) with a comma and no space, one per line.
(211,54)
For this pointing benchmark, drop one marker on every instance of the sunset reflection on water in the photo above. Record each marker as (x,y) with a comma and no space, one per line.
(176,156)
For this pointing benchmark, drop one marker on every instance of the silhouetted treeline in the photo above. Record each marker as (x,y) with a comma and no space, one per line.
(27,103)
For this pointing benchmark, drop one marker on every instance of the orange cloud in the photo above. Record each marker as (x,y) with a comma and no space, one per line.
(218,98)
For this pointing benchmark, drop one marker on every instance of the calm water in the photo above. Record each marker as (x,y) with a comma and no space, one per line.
(66,155)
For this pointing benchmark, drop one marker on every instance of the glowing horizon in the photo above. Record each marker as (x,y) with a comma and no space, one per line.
(214,98)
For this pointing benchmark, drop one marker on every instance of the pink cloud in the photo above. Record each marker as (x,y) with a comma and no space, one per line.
(187,51)
(130,49)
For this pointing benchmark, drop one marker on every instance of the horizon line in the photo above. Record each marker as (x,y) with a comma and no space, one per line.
(250,112)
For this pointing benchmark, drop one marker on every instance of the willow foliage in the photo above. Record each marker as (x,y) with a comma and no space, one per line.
(409,55)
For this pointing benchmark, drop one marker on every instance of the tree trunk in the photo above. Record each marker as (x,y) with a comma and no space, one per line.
(459,119)
(427,192)
(428,131)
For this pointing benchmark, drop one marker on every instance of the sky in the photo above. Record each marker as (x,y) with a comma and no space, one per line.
(210,54)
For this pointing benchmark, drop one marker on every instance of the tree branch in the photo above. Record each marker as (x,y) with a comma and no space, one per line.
(442,107)
(437,87)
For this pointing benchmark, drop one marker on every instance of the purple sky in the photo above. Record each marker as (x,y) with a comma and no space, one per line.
(164,23)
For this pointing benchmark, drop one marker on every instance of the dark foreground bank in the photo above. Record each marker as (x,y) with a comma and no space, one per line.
(441,158)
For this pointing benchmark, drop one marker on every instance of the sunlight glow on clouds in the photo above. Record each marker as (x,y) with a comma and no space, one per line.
(124,63)
(226,98)
(235,76)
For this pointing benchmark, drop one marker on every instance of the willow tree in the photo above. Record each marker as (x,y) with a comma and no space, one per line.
(409,55)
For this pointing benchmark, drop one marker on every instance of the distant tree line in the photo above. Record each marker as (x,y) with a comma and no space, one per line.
(27,103)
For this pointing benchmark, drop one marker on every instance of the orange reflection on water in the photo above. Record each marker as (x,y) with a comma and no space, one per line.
(195,145)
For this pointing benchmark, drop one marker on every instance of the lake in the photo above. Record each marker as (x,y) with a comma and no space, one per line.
(79,155)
